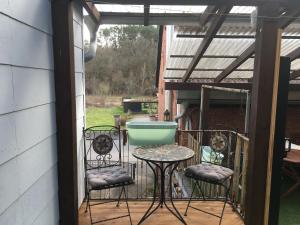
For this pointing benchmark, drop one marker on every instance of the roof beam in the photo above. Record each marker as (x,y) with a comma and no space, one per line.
(212,69)
(283,23)
(216,23)
(236,63)
(294,75)
(92,10)
(206,56)
(189,19)
(231,36)
(294,54)
(206,15)
(197,85)
(286,3)
(146,14)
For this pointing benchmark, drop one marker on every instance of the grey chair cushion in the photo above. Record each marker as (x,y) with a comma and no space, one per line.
(208,172)
(107,177)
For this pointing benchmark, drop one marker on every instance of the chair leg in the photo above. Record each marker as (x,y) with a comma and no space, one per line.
(226,199)
(185,214)
(118,203)
(224,206)
(202,193)
(127,205)
(87,202)
(89,205)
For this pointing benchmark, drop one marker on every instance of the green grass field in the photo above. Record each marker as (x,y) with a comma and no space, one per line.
(102,116)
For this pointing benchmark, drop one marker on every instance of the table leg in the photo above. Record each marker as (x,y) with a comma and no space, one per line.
(149,211)
(162,200)
(176,213)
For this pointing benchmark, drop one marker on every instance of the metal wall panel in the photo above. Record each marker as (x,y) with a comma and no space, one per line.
(32,87)
(27,114)
(36,13)
(34,125)
(6,90)
(7,138)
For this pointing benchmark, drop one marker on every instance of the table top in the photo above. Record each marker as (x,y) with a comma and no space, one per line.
(163,153)
(293,156)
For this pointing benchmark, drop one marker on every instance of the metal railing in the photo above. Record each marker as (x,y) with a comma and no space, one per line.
(235,157)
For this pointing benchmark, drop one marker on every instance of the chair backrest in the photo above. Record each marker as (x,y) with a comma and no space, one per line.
(102,147)
(215,148)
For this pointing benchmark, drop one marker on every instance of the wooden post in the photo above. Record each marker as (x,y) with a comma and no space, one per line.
(236,176)
(279,140)
(64,72)
(263,113)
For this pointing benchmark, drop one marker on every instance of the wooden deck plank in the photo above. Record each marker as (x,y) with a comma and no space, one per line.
(161,216)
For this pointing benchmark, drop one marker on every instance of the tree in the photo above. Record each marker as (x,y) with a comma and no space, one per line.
(125,61)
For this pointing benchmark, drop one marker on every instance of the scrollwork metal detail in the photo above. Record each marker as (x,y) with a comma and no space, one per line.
(102,144)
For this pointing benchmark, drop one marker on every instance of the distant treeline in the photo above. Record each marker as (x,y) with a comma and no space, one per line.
(125,62)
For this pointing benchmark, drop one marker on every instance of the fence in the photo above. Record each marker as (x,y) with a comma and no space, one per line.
(234,156)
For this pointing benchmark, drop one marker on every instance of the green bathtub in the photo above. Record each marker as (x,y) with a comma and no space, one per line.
(151,132)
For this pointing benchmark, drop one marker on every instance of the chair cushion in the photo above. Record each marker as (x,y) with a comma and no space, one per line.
(107,177)
(208,172)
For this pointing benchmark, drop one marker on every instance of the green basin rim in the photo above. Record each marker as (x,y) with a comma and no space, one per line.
(151,125)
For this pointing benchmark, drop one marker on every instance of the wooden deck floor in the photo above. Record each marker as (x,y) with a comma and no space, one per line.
(161,216)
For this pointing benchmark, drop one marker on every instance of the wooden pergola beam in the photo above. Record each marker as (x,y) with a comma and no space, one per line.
(216,23)
(206,56)
(294,75)
(200,69)
(236,63)
(286,19)
(92,10)
(206,15)
(294,54)
(197,86)
(228,36)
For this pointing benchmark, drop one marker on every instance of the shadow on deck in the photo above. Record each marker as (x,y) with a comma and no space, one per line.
(161,216)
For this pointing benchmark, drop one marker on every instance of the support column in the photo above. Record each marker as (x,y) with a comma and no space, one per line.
(263,114)
(279,140)
(64,73)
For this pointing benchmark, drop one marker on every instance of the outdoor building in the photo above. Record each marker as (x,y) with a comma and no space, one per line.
(28,152)
(227,110)
(253,45)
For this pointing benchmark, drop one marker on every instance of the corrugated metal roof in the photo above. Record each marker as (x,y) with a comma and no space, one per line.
(184,47)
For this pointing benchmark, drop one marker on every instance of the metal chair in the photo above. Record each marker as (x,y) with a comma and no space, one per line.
(103,166)
(211,171)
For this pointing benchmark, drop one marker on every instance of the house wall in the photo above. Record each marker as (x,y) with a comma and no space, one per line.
(161,84)
(28,152)
(162,94)
(80,93)
(233,116)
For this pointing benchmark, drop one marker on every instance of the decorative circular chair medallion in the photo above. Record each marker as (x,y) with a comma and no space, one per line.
(218,142)
(103,144)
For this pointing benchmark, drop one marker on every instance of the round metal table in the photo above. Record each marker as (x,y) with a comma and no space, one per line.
(163,157)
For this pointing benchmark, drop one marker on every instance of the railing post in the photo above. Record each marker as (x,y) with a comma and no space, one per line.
(237,163)
(244,175)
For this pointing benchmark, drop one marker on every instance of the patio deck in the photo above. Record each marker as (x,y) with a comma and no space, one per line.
(162,216)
